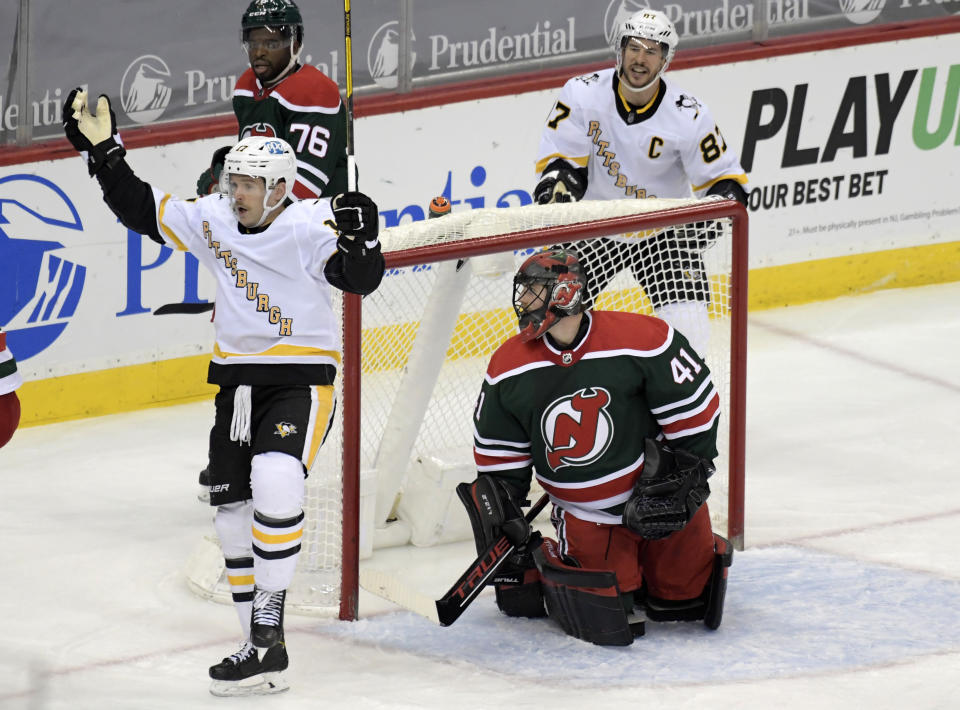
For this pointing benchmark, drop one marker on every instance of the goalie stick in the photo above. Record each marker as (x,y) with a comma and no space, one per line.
(183,308)
(452,604)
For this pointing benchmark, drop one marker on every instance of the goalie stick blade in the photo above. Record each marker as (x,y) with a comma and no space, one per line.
(389,587)
(188,308)
(452,604)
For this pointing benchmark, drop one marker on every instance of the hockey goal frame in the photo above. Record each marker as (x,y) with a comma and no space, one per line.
(352,338)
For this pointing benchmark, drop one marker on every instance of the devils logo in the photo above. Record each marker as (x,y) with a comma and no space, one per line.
(577,428)
(259,129)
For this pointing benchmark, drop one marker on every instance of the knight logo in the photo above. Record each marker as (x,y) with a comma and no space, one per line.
(383,55)
(860,12)
(259,129)
(285,429)
(143,91)
(618,11)
(577,428)
(39,288)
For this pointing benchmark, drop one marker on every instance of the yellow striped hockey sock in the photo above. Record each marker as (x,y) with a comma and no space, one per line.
(240,577)
(276,546)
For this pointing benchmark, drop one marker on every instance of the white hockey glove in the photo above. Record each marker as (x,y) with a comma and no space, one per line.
(94,135)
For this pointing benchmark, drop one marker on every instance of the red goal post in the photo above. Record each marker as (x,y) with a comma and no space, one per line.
(409,253)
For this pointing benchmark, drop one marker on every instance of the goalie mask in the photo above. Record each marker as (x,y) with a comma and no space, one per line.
(648,25)
(550,285)
(282,18)
(270,159)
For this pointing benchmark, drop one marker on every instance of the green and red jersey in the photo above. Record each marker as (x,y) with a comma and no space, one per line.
(305,110)
(577,419)
(9,377)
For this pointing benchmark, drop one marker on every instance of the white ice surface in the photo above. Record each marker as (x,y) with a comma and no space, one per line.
(848,595)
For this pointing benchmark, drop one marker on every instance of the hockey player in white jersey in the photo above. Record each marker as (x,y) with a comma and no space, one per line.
(275,357)
(626,132)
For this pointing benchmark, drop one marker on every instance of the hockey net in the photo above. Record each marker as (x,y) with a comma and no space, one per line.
(416,350)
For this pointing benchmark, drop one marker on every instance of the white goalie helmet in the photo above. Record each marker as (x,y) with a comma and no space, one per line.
(264,157)
(648,24)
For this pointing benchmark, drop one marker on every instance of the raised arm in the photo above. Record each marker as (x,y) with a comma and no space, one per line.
(95,137)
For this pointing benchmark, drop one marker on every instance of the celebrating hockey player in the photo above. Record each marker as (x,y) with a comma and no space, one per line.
(10,380)
(626,132)
(279,96)
(276,353)
(616,416)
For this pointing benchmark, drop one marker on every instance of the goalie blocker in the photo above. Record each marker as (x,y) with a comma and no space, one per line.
(494,510)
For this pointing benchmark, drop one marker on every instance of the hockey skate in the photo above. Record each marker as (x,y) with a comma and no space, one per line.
(266,622)
(243,673)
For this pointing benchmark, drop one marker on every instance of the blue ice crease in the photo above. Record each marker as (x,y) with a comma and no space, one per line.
(789,612)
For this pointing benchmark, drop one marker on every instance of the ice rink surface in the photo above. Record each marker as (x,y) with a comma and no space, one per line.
(847,596)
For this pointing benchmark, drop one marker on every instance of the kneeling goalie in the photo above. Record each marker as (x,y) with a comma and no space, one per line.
(616,416)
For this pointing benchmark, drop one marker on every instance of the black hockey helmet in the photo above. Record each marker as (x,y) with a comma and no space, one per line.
(280,15)
(558,281)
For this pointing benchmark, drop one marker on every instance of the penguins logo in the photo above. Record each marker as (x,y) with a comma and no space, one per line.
(689,102)
(285,429)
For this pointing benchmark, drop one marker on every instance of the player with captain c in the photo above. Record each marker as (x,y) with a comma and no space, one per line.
(626,132)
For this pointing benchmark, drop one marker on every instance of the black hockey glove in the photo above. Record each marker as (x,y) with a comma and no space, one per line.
(728,190)
(93,135)
(560,183)
(671,488)
(356,215)
(209,180)
(357,249)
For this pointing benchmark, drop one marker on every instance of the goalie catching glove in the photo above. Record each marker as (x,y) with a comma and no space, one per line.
(671,488)
(560,183)
(95,136)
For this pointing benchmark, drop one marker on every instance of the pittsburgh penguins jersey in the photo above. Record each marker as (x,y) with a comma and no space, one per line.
(305,110)
(577,419)
(9,376)
(274,304)
(672,147)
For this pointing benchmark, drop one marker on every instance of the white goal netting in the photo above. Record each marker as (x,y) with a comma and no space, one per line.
(444,306)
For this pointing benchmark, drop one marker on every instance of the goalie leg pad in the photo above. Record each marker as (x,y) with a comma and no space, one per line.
(709,604)
(523,597)
(585,603)
(717,586)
